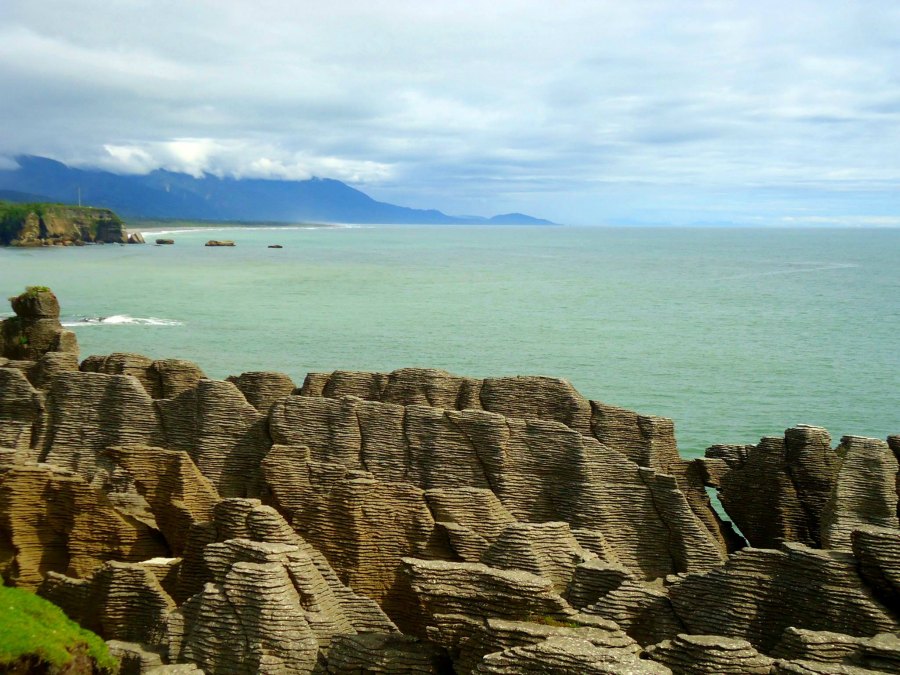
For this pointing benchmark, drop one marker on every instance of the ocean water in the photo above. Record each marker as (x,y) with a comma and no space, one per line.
(735,334)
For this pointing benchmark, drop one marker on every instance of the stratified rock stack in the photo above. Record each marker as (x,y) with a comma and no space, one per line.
(35,329)
(506,525)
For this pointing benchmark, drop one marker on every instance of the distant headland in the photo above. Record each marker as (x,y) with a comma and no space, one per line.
(166,194)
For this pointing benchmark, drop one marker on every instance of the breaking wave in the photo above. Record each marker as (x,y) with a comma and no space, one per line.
(121,320)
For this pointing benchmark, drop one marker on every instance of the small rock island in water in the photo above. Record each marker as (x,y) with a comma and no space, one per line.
(421,522)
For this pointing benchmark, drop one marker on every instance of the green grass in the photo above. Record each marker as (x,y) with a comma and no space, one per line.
(29,625)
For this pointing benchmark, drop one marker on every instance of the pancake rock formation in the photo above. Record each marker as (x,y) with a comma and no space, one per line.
(421,522)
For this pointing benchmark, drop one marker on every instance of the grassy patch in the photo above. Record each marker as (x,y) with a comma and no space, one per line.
(29,625)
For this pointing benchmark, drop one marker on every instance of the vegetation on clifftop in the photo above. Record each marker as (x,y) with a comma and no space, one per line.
(29,224)
(34,631)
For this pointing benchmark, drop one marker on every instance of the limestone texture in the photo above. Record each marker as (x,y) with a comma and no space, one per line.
(422,522)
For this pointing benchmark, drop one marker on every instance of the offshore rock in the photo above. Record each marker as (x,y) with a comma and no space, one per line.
(35,329)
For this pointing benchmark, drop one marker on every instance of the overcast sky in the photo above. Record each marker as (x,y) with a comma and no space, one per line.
(600,111)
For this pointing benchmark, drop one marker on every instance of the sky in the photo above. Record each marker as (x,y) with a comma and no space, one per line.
(594,112)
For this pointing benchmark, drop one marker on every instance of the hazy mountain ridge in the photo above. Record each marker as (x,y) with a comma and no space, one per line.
(166,194)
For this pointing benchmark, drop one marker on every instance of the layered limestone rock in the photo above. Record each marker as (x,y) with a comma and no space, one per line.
(710,655)
(798,489)
(363,526)
(53,521)
(21,410)
(167,483)
(267,606)
(540,471)
(121,601)
(759,593)
(263,389)
(35,329)
(561,655)
(161,378)
(646,440)
(865,491)
(89,412)
(224,435)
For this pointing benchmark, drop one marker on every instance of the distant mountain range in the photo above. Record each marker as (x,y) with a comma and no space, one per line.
(165,194)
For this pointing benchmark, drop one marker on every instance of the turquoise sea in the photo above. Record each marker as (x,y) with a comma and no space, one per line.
(734,333)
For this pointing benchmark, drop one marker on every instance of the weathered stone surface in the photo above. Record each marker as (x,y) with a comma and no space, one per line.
(267,608)
(877,551)
(263,389)
(35,330)
(476,590)
(134,658)
(384,653)
(121,601)
(800,489)
(224,435)
(776,491)
(48,366)
(162,378)
(709,655)
(177,495)
(70,528)
(759,593)
(21,410)
(644,611)
(593,580)
(804,651)
(648,441)
(540,471)
(362,526)
(865,491)
(89,412)
(546,550)
(561,655)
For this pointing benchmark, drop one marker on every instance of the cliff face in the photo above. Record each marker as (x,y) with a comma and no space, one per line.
(58,224)
(420,522)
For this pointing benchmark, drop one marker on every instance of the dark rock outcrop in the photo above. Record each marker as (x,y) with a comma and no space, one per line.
(58,224)
(35,329)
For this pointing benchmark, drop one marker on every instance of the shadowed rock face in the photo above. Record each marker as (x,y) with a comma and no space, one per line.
(504,525)
(799,489)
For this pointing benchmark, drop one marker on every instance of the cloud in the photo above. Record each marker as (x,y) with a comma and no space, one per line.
(697,107)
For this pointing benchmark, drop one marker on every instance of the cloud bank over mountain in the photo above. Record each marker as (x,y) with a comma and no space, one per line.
(593,111)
